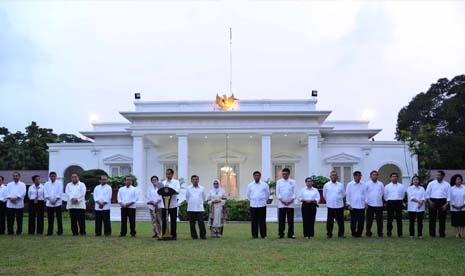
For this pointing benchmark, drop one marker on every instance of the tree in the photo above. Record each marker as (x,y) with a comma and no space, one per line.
(28,151)
(433,125)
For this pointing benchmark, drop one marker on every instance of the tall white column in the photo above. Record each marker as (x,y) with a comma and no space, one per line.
(183,151)
(313,154)
(266,157)
(138,164)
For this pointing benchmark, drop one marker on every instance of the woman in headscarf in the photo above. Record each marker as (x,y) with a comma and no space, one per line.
(216,200)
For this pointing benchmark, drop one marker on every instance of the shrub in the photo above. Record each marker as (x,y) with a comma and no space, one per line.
(319,181)
(119,181)
(91,178)
(236,210)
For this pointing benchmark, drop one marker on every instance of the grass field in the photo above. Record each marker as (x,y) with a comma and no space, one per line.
(236,253)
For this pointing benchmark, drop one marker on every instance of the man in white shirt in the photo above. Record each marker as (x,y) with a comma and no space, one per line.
(2,205)
(394,194)
(76,204)
(127,198)
(374,201)
(172,183)
(257,193)
(285,193)
(355,201)
(15,193)
(36,206)
(437,194)
(53,190)
(102,198)
(195,197)
(334,192)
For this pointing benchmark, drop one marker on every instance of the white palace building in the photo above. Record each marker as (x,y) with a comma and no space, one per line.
(228,140)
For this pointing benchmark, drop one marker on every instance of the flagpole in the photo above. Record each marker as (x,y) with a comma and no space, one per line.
(230,60)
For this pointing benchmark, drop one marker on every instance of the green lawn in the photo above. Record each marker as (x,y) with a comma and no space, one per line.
(236,253)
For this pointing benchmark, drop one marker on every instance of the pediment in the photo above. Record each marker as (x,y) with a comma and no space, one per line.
(118,159)
(283,157)
(342,158)
(170,156)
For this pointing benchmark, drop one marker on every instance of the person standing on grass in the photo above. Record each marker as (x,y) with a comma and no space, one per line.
(310,197)
(416,207)
(36,207)
(127,198)
(374,201)
(102,198)
(155,203)
(172,183)
(257,193)
(334,193)
(216,200)
(457,205)
(195,196)
(394,194)
(76,192)
(2,205)
(355,201)
(15,193)
(285,193)
(53,189)
(437,194)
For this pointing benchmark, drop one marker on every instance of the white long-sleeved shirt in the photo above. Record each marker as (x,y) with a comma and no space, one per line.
(394,191)
(195,196)
(438,190)
(3,193)
(457,198)
(53,190)
(334,193)
(356,194)
(36,192)
(102,193)
(152,195)
(15,190)
(173,184)
(77,191)
(127,195)
(418,193)
(258,194)
(309,194)
(285,190)
(375,192)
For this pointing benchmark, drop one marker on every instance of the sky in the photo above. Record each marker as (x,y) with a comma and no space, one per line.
(65,63)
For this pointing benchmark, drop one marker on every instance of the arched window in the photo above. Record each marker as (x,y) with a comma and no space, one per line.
(69,171)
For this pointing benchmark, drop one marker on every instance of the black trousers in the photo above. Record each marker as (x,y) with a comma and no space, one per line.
(51,211)
(78,218)
(357,221)
(371,212)
(128,213)
(173,213)
(2,217)
(36,216)
(418,216)
(394,210)
(308,218)
(102,216)
(338,215)
(435,213)
(11,215)
(258,218)
(282,214)
(199,218)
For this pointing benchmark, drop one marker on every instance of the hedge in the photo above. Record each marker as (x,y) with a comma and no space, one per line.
(236,210)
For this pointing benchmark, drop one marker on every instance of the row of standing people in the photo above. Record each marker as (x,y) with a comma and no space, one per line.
(48,198)
(365,200)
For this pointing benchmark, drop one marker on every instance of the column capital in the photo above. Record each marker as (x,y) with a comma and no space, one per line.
(266,134)
(137,134)
(314,133)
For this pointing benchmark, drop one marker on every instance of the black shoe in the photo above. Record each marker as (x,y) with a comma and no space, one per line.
(280,237)
(174,238)
(203,238)
(292,237)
